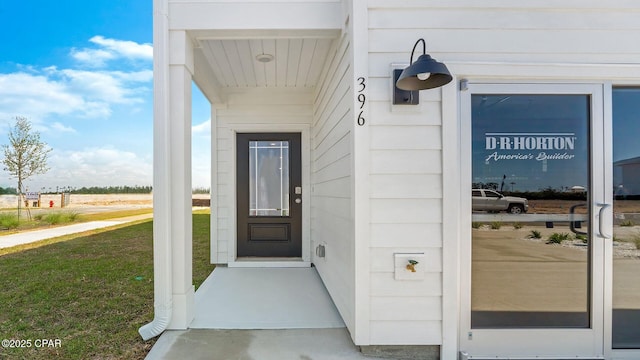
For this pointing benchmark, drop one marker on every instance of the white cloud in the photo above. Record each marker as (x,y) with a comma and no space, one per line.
(111,87)
(93,57)
(99,166)
(134,76)
(201,154)
(107,166)
(112,49)
(89,94)
(204,128)
(129,49)
(62,128)
(201,167)
(37,95)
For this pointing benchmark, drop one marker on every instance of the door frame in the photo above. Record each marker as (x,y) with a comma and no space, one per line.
(614,354)
(495,338)
(305,149)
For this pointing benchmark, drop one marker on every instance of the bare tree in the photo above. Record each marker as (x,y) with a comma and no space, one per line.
(25,155)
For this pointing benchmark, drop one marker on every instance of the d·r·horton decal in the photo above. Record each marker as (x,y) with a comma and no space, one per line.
(530,146)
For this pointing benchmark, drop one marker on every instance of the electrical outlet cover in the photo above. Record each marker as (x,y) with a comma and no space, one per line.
(401,260)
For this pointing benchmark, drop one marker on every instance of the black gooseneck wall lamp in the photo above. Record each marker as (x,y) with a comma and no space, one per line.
(425,73)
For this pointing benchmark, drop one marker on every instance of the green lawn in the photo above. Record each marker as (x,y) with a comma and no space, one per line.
(90,292)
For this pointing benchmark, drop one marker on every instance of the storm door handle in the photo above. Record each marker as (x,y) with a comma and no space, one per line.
(600,221)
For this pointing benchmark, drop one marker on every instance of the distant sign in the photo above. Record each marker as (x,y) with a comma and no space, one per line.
(29,195)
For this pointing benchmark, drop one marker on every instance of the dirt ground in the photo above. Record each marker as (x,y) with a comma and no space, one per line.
(562,206)
(111,199)
(93,200)
(123,200)
(512,271)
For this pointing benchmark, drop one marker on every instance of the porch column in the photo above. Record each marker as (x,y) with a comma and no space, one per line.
(179,187)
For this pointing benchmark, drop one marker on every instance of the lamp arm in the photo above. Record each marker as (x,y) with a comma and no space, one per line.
(424,49)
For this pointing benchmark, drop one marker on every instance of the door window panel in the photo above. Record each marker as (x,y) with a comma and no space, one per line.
(530,238)
(268,178)
(626,222)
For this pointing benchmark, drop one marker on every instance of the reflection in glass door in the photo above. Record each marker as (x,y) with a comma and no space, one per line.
(535,251)
(626,229)
(530,270)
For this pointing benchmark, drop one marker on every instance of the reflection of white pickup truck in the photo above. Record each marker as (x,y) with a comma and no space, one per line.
(493,201)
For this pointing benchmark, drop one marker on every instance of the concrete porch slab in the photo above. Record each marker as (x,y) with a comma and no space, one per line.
(264,298)
(261,313)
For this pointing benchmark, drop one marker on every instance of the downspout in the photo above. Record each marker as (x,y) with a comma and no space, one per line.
(162,273)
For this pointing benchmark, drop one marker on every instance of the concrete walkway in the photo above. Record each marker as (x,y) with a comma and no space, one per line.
(302,344)
(43,234)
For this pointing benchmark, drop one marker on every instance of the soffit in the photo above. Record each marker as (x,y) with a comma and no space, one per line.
(297,62)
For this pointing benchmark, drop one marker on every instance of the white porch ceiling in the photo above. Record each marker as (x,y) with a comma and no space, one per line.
(297,62)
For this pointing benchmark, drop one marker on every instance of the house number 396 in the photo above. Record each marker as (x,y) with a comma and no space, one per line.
(362,99)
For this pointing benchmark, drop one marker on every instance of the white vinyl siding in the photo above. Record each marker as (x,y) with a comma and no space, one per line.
(331,144)
(499,40)
(504,31)
(406,217)
(406,197)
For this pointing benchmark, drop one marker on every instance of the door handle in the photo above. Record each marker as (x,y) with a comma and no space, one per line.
(600,222)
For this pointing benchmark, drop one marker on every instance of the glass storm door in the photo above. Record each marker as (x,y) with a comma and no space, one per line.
(269,209)
(626,223)
(532,266)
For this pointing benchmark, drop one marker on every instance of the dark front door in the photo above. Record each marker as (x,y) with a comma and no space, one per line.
(269,195)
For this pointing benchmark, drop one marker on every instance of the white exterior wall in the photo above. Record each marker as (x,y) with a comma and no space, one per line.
(560,41)
(406,217)
(406,196)
(544,32)
(331,177)
(411,176)
(252,110)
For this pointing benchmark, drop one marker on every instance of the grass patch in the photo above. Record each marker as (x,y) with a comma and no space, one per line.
(201,247)
(557,238)
(635,240)
(9,220)
(476,225)
(517,225)
(535,234)
(582,238)
(627,223)
(109,215)
(92,292)
(496,225)
(57,217)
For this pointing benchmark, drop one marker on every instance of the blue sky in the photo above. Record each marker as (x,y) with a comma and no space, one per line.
(81,72)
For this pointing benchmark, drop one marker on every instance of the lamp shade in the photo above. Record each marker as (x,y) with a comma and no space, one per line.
(425,73)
